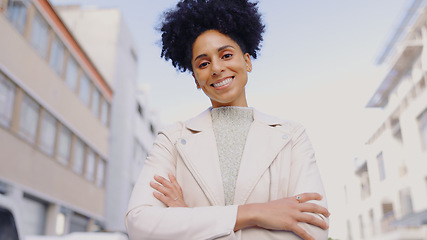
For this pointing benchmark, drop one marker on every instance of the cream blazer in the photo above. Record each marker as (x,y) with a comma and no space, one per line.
(278,161)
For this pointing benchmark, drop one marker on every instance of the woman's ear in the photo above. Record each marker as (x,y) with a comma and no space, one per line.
(195,80)
(248,62)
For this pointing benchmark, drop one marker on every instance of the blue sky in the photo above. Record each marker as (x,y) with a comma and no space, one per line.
(316,66)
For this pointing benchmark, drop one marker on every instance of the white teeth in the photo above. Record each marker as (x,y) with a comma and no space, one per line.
(223,82)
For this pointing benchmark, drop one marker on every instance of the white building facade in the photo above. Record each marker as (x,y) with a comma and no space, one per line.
(54,123)
(107,39)
(387,197)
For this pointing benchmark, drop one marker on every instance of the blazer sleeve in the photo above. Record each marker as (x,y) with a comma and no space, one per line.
(148,218)
(305,177)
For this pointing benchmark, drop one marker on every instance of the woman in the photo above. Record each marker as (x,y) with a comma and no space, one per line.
(231,172)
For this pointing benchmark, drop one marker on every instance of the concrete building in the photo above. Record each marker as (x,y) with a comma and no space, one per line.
(54,122)
(104,34)
(387,197)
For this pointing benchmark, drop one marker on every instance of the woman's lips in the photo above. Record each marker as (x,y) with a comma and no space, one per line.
(223,82)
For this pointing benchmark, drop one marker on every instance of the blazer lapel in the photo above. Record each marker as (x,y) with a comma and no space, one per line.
(263,143)
(199,152)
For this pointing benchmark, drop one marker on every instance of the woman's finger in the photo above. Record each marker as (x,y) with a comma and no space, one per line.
(302,233)
(163,181)
(304,197)
(313,208)
(313,220)
(175,183)
(159,187)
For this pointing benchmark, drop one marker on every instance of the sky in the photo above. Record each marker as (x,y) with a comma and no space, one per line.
(317,65)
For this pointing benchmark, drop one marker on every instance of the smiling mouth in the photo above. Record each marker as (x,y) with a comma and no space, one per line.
(222,83)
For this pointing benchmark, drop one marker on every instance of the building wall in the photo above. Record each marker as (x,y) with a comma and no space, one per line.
(105,35)
(51,191)
(395,154)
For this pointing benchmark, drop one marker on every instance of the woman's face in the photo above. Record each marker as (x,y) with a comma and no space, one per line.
(221,69)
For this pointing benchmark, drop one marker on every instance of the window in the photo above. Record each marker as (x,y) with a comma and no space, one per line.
(406,201)
(365,185)
(361,227)
(39,35)
(396,130)
(345,194)
(17,13)
(381,167)
(349,234)
(72,74)
(95,102)
(64,145)
(372,220)
(100,172)
(29,119)
(35,215)
(48,133)
(79,156)
(57,56)
(90,165)
(78,223)
(84,93)
(422,123)
(140,110)
(139,156)
(7,95)
(153,131)
(426,182)
(105,112)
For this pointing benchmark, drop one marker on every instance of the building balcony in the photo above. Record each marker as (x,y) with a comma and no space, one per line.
(400,64)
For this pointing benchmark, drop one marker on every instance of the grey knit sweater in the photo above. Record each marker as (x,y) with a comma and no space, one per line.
(231,127)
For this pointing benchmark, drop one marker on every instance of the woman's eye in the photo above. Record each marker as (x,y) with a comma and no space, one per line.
(202,65)
(228,55)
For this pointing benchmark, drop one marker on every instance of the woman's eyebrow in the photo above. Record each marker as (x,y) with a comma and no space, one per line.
(219,50)
(201,55)
(224,47)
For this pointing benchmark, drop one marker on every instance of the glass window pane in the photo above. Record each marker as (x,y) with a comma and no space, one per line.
(84,92)
(29,119)
(90,166)
(48,133)
(17,13)
(40,35)
(72,73)
(64,144)
(100,171)
(424,136)
(422,123)
(105,112)
(79,156)
(7,96)
(381,167)
(95,102)
(139,159)
(57,56)
(34,218)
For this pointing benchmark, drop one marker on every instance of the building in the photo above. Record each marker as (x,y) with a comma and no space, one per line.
(54,122)
(107,39)
(387,197)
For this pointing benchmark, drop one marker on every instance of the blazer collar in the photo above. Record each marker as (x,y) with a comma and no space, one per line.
(203,121)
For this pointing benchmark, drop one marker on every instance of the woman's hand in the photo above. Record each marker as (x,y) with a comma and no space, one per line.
(169,192)
(283,214)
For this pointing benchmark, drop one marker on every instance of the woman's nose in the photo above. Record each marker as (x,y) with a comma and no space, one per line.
(217,67)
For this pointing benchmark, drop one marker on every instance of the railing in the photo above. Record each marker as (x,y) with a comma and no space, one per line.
(385,222)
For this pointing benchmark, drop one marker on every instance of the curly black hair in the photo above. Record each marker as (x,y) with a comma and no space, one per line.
(238,19)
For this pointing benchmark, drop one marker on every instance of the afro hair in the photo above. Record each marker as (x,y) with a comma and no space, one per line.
(238,19)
